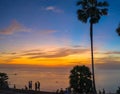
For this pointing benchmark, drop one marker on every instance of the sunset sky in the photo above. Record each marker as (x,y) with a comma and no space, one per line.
(48,33)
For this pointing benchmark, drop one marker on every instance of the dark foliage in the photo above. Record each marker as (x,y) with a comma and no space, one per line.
(91,10)
(118,30)
(3,81)
(118,91)
(80,79)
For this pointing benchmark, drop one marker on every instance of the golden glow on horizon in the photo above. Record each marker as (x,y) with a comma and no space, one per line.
(58,61)
(52,57)
(66,61)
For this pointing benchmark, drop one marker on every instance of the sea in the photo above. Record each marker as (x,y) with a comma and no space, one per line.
(53,78)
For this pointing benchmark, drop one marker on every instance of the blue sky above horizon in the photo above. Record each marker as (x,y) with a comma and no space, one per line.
(52,25)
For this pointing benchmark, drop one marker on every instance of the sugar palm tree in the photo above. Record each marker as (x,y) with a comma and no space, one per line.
(118,29)
(91,10)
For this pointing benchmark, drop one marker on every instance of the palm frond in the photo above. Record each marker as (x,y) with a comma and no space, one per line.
(102,4)
(105,3)
(99,4)
(79,3)
(118,30)
(92,2)
(104,11)
(82,3)
(82,16)
(91,10)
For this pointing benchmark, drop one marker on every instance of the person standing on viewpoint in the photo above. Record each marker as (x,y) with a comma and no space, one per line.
(38,85)
(30,85)
(35,86)
(103,91)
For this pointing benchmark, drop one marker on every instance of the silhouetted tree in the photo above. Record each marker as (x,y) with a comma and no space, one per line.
(80,80)
(91,10)
(118,91)
(3,81)
(118,30)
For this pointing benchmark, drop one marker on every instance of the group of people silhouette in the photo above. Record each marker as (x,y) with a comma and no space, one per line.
(30,86)
(37,86)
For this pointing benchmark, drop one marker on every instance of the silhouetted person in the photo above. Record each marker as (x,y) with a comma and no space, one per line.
(57,91)
(30,85)
(66,91)
(38,85)
(14,86)
(35,86)
(71,92)
(99,92)
(61,91)
(103,91)
(26,87)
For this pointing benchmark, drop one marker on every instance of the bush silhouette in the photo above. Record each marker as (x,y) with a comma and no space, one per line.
(3,81)
(118,91)
(80,80)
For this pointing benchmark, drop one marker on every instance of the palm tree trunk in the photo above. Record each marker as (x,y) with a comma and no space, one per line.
(92,57)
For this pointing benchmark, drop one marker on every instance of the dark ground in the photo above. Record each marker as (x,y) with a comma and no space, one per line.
(19,91)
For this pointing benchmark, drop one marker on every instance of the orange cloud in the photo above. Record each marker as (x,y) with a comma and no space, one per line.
(57,53)
(56,56)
